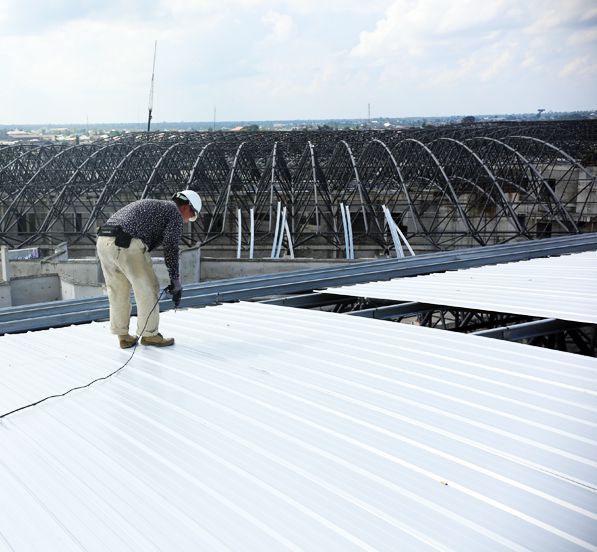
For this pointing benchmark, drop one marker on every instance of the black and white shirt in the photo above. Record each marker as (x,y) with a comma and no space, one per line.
(154,222)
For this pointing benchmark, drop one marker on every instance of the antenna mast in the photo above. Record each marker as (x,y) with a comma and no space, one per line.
(155,48)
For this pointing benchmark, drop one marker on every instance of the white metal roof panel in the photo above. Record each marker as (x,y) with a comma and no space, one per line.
(267,428)
(557,287)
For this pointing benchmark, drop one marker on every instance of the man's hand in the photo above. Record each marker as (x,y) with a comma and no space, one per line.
(175,289)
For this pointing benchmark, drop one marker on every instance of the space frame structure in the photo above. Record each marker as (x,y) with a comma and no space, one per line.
(445,187)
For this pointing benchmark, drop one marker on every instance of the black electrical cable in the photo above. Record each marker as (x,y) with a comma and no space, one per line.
(91,382)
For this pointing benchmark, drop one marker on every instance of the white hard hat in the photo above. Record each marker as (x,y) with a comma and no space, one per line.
(193,198)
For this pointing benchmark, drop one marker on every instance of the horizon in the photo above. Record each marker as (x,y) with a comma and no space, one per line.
(528,115)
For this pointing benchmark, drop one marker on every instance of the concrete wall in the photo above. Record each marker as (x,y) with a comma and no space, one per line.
(189,266)
(84,271)
(74,290)
(219,269)
(35,289)
(47,287)
(33,281)
(89,272)
(5,299)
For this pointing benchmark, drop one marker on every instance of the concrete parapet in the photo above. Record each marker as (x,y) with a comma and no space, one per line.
(222,268)
(71,289)
(5,298)
(34,281)
(35,289)
(5,265)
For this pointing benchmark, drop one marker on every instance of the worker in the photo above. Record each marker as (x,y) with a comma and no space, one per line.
(123,246)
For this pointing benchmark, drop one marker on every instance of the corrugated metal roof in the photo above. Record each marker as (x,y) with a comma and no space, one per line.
(268,428)
(63,313)
(557,287)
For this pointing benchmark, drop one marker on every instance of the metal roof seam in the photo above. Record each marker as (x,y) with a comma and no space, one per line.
(472,363)
(452,339)
(341,461)
(503,288)
(426,473)
(268,427)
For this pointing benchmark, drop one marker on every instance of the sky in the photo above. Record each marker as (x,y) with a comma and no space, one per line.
(78,61)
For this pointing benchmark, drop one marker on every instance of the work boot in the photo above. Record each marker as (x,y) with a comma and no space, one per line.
(127,340)
(157,340)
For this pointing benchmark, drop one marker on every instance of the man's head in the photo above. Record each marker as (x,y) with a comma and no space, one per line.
(189,204)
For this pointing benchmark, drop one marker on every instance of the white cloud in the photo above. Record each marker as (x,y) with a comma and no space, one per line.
(457,39)
(97,66)
(292,58)
(281,25)
(583,66)
(420,27)
(583,37)
(467,15)
(529,61)
(495,65)
(589,14)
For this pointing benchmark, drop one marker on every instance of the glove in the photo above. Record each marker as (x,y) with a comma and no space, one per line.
(175,289)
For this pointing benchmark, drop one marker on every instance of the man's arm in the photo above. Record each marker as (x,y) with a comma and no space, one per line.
(170,241)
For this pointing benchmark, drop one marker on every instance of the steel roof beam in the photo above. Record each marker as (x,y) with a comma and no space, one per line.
(527,330)
(310,300)
(395,311)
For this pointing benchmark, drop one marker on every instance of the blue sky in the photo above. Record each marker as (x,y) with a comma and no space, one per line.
(65,61)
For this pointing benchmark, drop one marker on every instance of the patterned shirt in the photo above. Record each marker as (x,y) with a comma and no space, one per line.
(154,222)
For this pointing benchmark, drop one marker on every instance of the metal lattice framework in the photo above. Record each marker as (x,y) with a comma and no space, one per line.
(446,187)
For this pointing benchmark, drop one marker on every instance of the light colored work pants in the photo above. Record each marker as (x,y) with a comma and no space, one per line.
(123,269)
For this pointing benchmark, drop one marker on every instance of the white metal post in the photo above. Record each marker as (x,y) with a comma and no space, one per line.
(346,246)
(405,240)
(290,248)
(349,225)
(239,234)
(281,233)
(275,244)
(392,227)
(252,213)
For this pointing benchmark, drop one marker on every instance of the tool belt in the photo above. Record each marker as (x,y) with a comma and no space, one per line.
(123,239)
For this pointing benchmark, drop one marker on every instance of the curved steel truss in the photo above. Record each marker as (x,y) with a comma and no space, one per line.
(445,187)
